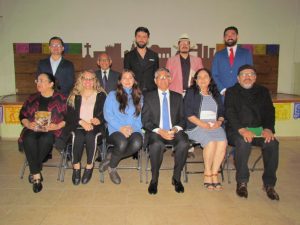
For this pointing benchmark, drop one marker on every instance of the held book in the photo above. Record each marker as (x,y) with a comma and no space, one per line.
(42,119)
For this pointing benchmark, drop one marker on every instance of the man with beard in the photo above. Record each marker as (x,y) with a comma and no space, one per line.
(227,61)
(250,118)
(142,60)
(183,66)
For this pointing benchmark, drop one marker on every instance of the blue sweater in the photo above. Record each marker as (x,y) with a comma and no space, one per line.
(116,119)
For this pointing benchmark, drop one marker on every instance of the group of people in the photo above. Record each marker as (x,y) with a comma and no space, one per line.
(151,106)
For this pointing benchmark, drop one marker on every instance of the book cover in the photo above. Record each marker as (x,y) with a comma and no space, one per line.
(42,119)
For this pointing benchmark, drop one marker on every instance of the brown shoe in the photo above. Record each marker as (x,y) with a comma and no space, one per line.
(271,193)
(241,190)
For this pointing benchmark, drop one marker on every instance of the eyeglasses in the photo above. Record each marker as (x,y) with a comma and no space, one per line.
(104,60)
(163,77)
(247,74)
(56,45)
(41,81)
(87,79)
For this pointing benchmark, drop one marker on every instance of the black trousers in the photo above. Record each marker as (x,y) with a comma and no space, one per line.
(270,153)
(124,147)
(156,145)
(84,137)
(37,145)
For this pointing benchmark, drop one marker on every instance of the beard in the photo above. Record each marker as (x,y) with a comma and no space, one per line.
(141,45)
(247,86)
(230,42)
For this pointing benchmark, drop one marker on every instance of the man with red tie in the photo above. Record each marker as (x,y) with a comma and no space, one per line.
(226,62)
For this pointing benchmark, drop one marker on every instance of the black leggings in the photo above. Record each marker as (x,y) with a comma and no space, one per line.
(124,147)
(84,137)
(37,145)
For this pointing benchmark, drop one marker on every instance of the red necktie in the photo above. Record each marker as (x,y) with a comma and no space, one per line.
(231,57)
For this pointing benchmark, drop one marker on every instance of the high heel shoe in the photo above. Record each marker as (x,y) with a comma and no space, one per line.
(37,185)
(208,185)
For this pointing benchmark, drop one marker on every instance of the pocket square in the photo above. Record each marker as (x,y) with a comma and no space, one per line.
(152,60)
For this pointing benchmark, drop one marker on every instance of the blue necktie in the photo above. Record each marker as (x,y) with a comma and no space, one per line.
(165,112)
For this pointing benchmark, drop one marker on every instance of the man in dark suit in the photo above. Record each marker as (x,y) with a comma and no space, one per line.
(226,62)
(56,64)
(142,61)
(107,77)
(164,126)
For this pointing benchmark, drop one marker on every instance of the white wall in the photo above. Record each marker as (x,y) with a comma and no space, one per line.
(106,22)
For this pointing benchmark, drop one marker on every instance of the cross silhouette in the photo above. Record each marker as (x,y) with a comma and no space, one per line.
(87,46)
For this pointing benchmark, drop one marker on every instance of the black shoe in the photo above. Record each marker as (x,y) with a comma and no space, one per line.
(178,186)
(241,190)
(135,155)
(76,176)
(114,176)
(87,175)
(271,193)
(30,178)
(152,189)
(49,156)
(37,185)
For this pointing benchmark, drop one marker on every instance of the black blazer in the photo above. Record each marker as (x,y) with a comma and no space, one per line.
(151,110)
(64,75)
(112,81)
(73,114)
(143,74)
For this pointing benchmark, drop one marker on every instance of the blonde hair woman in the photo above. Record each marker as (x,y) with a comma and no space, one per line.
(85,118)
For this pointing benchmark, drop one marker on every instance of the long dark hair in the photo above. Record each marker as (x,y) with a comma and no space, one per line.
(212,87)
(122,96)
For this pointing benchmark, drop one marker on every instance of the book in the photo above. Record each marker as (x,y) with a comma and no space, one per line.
(256,130)
(42,119)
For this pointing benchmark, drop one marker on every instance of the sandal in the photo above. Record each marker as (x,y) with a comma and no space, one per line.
(217,186)
(208,186)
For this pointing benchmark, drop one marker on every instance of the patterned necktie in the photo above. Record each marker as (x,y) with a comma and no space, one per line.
(104,80)
(165,112)
(231,57)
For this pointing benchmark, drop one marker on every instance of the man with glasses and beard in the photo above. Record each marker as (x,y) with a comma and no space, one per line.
(250,118)
(142,60)
(226,62)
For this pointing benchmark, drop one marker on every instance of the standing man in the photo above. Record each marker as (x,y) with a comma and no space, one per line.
(163,120)
(107,77)
(226,62)
(56,64)
(142,61)
(250,121)
(183,65)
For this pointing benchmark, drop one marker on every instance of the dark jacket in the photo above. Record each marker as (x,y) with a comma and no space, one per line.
(112,81)
(248,108)
(144,75)
(73,115)
(64,74)
(193,103)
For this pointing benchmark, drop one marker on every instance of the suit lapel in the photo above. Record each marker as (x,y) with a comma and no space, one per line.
(49,65)
(172,107)
(60,66)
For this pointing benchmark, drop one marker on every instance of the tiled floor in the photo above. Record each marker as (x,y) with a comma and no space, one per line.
(130,204)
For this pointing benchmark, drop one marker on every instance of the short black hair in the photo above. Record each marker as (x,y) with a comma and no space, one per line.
(231,28)
(246,67)
(142,29)
(56,38)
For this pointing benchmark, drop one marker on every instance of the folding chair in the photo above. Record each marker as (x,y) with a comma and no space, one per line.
(147,156)
(46,164)
(67,154)
(195,144)
(230,151)
(138,166)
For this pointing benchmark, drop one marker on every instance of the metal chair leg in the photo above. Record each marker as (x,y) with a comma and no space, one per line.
(22,170)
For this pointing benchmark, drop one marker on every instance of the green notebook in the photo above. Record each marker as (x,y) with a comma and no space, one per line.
(256,130)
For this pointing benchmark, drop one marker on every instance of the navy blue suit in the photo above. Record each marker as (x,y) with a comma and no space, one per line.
(64,75)
(225,75)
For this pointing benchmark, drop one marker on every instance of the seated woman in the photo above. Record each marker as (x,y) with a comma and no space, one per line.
(204,113)
(122,112)
(42,116)
(85,118)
